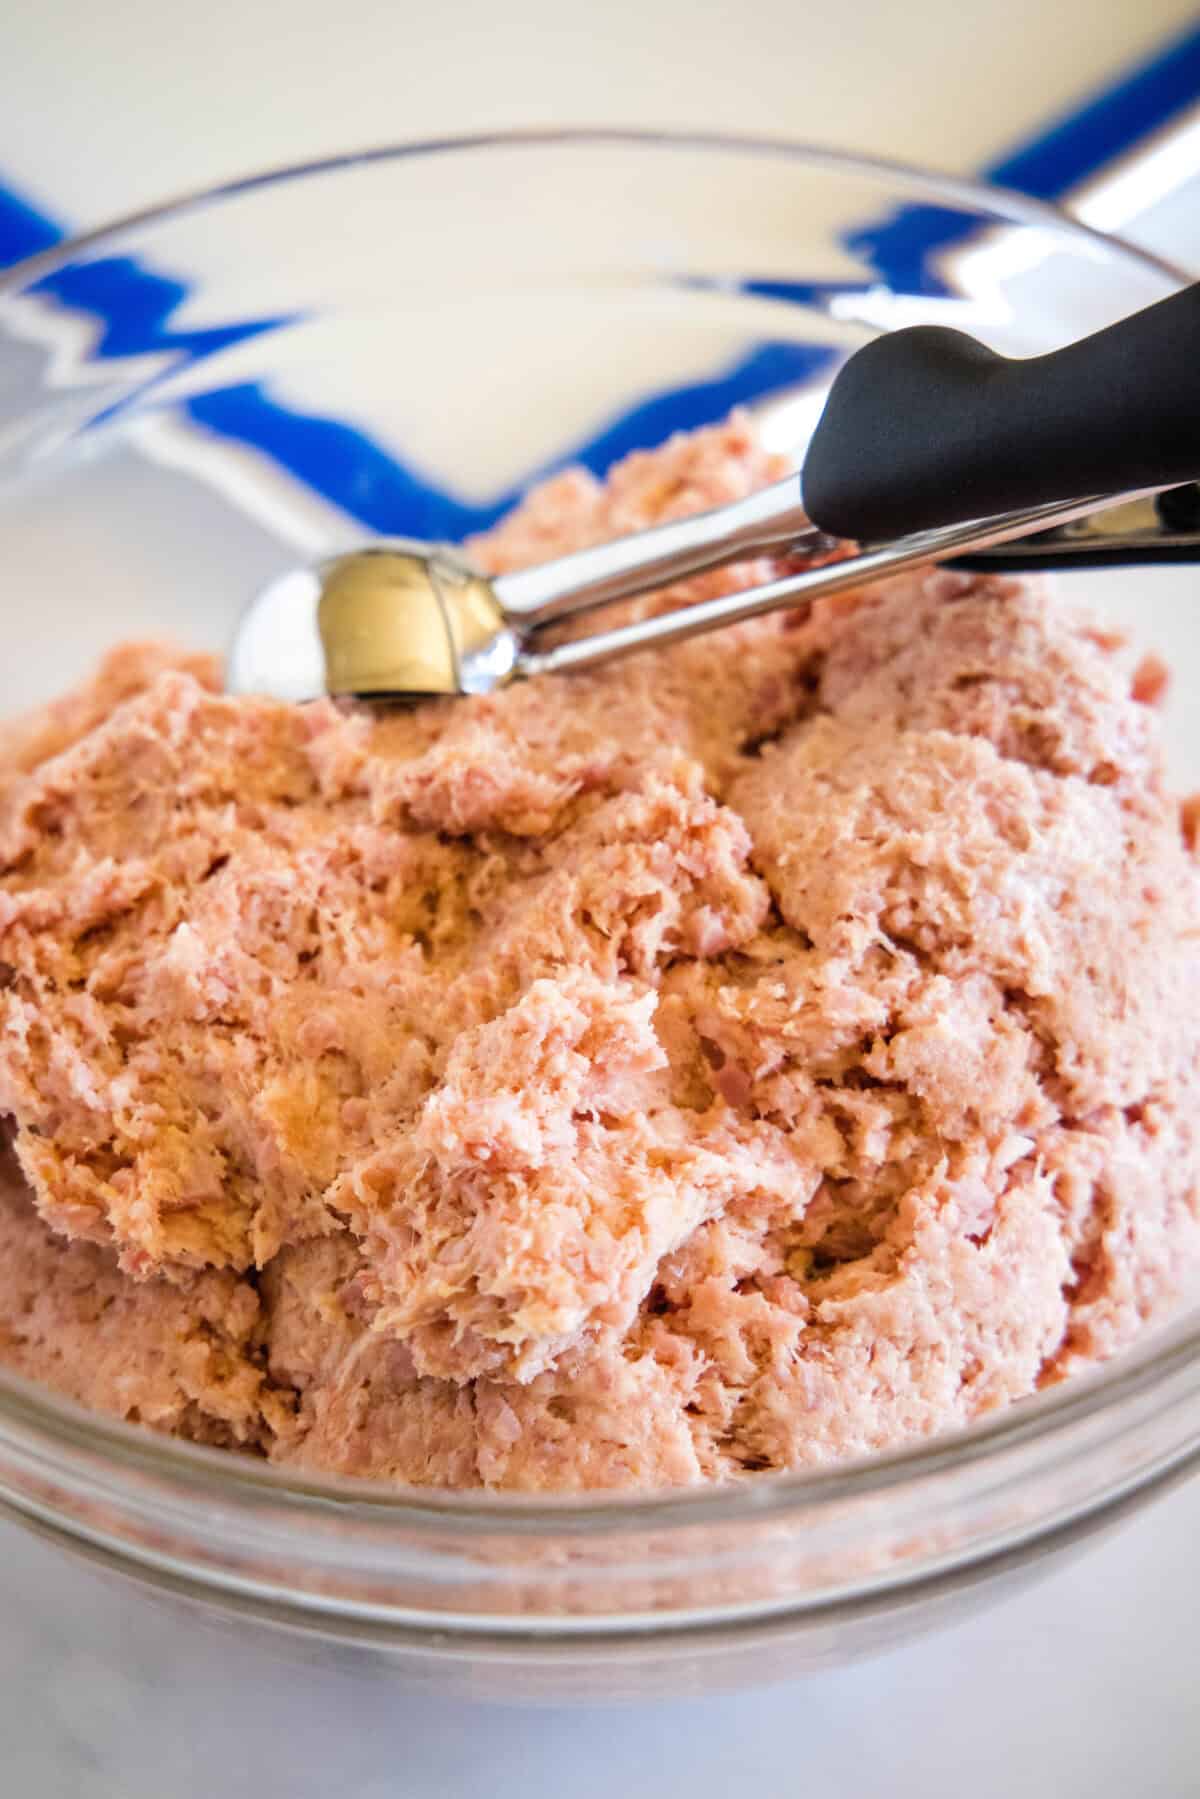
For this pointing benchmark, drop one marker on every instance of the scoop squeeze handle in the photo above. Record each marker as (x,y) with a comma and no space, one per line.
(928,427)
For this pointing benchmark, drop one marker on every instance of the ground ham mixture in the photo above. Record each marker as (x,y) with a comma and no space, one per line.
(760,1053)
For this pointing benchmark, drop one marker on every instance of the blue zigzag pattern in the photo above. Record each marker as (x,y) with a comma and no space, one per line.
(135,306)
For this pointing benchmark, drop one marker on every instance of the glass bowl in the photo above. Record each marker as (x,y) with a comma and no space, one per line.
(400,341)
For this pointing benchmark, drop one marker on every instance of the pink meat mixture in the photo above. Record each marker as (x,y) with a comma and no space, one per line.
(767,1051)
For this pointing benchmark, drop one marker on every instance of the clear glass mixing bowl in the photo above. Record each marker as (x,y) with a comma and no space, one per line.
(400,342)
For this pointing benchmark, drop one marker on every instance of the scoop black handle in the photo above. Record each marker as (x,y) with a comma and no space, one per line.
(928,427)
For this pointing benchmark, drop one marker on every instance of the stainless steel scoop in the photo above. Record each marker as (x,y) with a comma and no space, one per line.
(930,448)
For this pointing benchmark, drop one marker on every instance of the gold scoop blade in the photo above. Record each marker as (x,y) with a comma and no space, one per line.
(397,622)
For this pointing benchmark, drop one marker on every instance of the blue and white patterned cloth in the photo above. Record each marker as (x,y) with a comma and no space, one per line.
(1129,156)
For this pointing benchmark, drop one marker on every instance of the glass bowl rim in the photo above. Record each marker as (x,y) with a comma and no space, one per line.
(236,1478)
(242,1480)
(1006,205)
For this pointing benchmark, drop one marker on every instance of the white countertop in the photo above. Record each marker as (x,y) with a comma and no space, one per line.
(1082,1688)
(1085,1685)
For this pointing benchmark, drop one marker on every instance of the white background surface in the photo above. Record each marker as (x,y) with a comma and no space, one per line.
(110,106)
(1086,1686)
